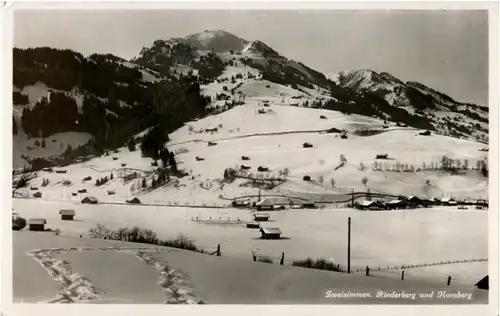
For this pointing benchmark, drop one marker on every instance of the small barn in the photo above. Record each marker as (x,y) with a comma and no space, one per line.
(240,204)
(343,136)
(115,158)
(483,284)
(123,164)
(306,178)
(111,192)
(90,200)
(426,133)
(67,215)
(61,171)
(333,130)
(245,167)
(74,193)
(198,158)
(37,194)
(252,225)
(37,224)
(262,169)
(270,233)
(382,156)
(261,217)
(211,144)
(134,201)
(307,145)
(82,191)
(322,117)
(34,188)
(245,158)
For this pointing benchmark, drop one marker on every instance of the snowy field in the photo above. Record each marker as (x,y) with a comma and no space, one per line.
(379,239)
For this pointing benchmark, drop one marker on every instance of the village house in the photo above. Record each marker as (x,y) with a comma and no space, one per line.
(413,201)
(270,233)
(67,215)
(90,200)
(37,224)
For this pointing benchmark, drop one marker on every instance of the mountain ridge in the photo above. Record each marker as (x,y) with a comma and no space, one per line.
(221,67)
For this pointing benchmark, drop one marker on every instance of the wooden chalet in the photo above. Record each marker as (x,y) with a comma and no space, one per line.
(36,224)
(413,201)
(270,233)
(90,200)
(67,215)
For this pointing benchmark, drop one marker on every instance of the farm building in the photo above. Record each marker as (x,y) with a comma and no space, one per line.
(253,225)
(34,188)
(344,136)
(82,191)
(90,200)
(307,145)
(270,233)
(245,167)
(74,193)
(447,201)
(306,178)
(245,158)
(47,169)
(211,144)
(123,164)
(396,205)
(483,284)
(262,169)
(37,224)
(426,133)
(61,171)
(309,205)
(279,207)
(413,201)
(261,217)
(364,205)
(115,158)
(198,158)
(111,192)
(134,201)
(322,117)
(382,156)
(67,215)
(265,204)
(37,194)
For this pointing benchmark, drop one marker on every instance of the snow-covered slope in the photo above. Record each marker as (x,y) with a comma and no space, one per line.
(275,139)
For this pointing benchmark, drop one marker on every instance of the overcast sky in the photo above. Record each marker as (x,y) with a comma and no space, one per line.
(446,50)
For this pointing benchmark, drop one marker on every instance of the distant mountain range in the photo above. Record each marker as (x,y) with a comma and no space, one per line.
(168,83)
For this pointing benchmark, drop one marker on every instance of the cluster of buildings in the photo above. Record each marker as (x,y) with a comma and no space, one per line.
(416,202)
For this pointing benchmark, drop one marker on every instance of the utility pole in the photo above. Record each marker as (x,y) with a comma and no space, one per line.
(349,245)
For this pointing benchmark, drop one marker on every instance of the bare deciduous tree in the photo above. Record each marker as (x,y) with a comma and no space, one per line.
(332,181)
(321,179)
(364,180)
